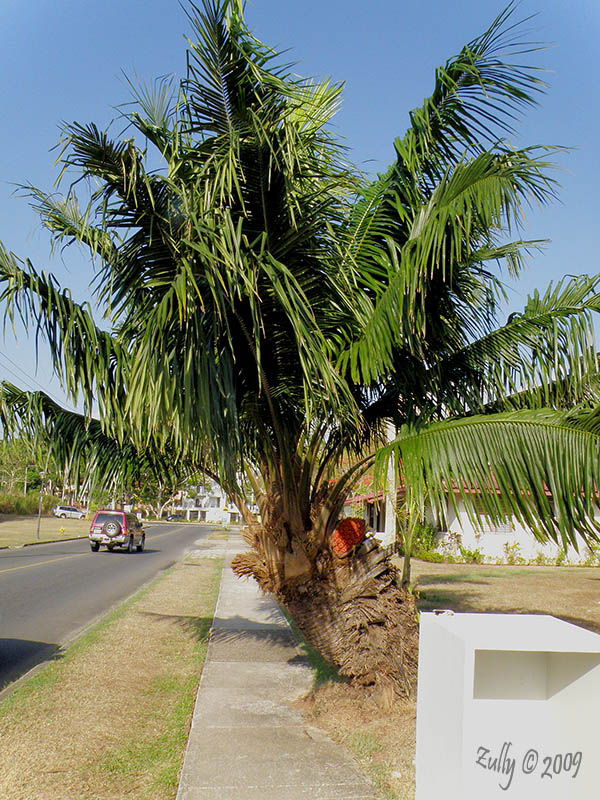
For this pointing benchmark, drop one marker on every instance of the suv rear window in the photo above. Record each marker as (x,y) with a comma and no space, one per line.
(106,516)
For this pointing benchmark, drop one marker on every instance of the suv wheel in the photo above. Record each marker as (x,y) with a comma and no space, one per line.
(141,544)
(95,546)
(130,545)
(112,527)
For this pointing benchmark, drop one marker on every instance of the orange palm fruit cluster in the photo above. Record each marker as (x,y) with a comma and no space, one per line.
(349,532)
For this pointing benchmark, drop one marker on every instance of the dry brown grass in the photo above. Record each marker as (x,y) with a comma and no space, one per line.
(383,739)
(16,531)
(108,719)
(220,535)
(570,593)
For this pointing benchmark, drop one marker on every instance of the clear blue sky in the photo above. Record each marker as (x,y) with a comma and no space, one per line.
(62,60)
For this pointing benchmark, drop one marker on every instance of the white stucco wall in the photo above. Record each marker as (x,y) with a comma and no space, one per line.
(210,505)
(511,541)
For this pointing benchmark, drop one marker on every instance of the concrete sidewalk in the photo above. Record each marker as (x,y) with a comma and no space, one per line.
(246,741)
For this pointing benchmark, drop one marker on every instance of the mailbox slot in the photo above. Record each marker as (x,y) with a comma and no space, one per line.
(524,675)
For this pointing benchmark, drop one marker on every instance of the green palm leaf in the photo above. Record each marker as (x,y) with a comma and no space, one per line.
(269,309)
(541,466)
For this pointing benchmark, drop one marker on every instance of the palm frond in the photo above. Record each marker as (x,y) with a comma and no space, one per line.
(155,113)
(87,359)
(541,466)
(444,241)
(225,64)
(477,97)
(544,356)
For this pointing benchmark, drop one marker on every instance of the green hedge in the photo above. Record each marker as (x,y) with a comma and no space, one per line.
(26,504)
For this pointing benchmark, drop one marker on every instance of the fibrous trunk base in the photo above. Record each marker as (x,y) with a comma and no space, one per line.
(353,611)
(365,625)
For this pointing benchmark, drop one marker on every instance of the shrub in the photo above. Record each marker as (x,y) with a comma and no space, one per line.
(541,560)
(26,504)
(7,504)
(512,554)
(471,556)
(593,555)
(561,557)
(48,503)
(430,555)
(29,503)
(423,540)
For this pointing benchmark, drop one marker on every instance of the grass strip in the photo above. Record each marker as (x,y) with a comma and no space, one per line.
(18,531)
(161,753)
(76,731)
(54,670)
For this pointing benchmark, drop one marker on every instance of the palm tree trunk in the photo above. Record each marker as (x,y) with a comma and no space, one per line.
(351,609)
(405,581)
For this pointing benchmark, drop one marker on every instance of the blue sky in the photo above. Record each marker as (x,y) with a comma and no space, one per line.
(63,60)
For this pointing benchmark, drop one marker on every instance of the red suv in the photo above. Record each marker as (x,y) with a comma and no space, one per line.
(116,529)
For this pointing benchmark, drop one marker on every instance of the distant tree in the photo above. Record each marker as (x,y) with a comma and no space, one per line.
(22,460)
(157,492)
(15,459)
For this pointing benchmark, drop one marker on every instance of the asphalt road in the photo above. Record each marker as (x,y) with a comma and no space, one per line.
(50,592)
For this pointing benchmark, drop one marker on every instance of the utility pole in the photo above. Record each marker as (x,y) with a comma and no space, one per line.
(42,476)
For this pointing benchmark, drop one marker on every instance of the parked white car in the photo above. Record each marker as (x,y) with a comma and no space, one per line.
(68,512)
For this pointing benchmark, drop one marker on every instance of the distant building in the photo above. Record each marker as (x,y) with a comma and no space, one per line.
(208,504)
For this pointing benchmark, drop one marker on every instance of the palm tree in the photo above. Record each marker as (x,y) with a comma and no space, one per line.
(269,310)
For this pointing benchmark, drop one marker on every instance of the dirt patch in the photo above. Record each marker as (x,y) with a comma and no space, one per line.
(383,739)
(104,721)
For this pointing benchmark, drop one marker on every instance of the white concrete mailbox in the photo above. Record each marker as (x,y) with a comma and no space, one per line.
(508,706)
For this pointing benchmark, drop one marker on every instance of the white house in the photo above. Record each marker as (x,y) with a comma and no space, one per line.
(509,542)
(209,504)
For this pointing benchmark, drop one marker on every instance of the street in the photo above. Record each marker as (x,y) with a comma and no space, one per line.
(50,592)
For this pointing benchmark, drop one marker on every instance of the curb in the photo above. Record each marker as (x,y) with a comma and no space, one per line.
(41,541)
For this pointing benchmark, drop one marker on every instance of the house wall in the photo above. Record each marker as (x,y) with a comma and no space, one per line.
(510,541)
(210,505)
(373,513)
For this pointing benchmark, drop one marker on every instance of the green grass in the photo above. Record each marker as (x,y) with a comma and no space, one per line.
(365,747)
(17,531)
(497,573)
(160,754)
